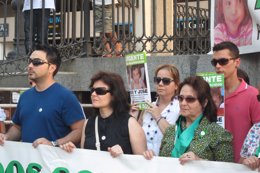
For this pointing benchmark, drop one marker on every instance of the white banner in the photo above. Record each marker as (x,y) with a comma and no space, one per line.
(46,159)
(236,21)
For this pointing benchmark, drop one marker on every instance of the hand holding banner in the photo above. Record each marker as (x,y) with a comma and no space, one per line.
(47,159)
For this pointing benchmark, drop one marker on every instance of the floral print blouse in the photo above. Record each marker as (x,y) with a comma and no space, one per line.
(210,142)
(252,141)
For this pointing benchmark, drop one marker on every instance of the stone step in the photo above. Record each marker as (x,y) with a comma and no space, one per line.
(67,79)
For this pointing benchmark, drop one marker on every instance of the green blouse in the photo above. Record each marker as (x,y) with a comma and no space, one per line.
(210,142)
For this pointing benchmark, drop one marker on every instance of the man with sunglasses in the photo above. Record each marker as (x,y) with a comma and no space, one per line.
(47,113)
(242,109)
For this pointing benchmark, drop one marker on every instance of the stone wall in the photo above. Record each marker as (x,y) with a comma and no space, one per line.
(76,74)
(187,65)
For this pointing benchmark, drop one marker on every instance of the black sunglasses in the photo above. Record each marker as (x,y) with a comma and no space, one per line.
(36,61)
(188,99)
(165,80)
(99,90)
(221,61)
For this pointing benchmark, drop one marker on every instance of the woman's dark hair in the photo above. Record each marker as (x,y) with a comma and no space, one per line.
(242,74)
(202,89)
(117,89)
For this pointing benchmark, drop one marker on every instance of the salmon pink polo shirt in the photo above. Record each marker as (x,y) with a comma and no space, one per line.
(242,110)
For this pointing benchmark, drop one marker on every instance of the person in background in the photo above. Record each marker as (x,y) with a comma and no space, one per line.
(250,152)
(32,83)
(117,132)
(40,16)
(47,113)
(242,109)
(2,119)
(242,74)
(196,134)
(217,96)
(104,26)
(165,110)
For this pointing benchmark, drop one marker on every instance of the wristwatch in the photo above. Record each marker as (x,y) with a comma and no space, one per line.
(55,143)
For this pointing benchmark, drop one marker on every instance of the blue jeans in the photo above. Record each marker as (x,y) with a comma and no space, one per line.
(39,33)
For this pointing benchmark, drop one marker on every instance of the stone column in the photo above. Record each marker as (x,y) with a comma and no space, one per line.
(160,25)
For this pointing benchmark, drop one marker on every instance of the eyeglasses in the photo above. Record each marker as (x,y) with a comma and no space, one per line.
(99,91)
(165,80)
(221,61)
(36,61)
(188,99)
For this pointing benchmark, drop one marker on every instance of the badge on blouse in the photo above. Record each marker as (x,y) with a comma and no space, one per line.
(103,138)
(202,133)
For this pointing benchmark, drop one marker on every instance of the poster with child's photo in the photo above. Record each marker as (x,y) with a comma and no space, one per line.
(236,21)
(216,83)
(137,79)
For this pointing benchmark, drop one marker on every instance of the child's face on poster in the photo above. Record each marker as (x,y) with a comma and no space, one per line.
(136,75)
(234,13)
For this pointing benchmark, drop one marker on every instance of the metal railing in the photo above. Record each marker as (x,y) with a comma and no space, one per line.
(158,27)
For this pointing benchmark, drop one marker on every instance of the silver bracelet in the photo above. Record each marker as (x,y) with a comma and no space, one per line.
(55,143)
(158,120)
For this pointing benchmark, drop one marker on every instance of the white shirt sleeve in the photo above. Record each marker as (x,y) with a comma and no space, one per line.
(2,115)
(37,4)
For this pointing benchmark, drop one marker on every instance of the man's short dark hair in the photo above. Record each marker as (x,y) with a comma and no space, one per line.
(52,55)
(233,49)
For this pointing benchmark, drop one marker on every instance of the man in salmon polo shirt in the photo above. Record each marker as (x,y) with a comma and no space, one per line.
(242,109)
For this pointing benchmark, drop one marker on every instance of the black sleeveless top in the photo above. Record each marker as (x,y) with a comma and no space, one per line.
(112,130)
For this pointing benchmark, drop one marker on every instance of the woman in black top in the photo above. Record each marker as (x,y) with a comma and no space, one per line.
(118,132)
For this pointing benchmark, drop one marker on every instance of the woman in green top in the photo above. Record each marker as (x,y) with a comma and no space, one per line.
(196,134)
